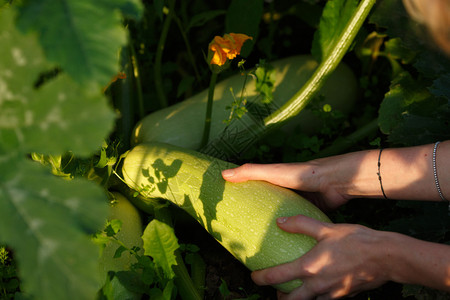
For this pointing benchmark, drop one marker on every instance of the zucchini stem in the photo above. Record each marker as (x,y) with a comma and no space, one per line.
(325,69)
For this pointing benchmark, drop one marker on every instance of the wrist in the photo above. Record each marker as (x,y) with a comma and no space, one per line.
(353,175)
(412,261)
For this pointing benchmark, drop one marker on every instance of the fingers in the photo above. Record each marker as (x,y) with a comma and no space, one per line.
(293,270)
(304,225)
(287,175)
(303,292)
(247,172)
(276,275)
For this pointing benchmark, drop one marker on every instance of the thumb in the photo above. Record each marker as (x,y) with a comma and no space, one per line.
(304,225)
(278,174)
(245,172)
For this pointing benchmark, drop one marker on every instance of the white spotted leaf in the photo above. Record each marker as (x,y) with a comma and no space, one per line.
(47,221)
(58,116)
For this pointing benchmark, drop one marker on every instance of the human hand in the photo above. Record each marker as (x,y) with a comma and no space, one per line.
(346,260)
(308,178)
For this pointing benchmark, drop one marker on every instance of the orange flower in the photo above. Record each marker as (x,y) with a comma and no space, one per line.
(227,47)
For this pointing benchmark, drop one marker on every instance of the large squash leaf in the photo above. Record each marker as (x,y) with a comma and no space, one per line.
(61,115)
(47,220)
(82,36)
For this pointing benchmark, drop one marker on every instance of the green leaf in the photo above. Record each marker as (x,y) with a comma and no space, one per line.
(402,93)
(244,16)
(83,37)
(119,251)
(411,115)
(223,288)
(396,50)
(392,16)
(116,288)
(47,221)
(335,17)
(265,81)
(113,227)
(59,116)
(160,243)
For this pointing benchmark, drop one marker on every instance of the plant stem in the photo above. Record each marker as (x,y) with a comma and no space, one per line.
(325,69)
(186,287)
(209,105)
(158,59)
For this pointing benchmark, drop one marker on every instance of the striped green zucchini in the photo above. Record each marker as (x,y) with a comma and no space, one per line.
(182,124)
(241,216)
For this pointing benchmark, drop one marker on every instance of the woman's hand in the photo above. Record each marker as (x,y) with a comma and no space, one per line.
(346,260)
(309,178)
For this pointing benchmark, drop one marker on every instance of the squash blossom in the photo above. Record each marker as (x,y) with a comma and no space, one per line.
(226,47)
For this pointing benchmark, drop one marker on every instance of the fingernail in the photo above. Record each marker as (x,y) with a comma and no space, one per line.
(228,173)
(281,220)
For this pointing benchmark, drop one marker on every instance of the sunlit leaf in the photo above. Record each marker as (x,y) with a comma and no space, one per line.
(335,17)
(160,243)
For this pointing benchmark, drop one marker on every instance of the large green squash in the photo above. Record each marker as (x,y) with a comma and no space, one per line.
(130,234)
(241,216)
(182,124)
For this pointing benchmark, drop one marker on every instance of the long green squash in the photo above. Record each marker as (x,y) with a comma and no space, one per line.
(182,124)
(241,216)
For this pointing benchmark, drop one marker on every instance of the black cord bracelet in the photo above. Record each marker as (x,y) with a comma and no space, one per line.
(379,173)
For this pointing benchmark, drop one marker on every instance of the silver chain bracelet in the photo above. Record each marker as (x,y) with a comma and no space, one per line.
(436,180)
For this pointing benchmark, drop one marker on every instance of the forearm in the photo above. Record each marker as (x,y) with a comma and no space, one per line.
(413,261)
(406,173)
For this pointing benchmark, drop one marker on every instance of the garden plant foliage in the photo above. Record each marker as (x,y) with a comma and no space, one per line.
(77,75)
(45,219)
